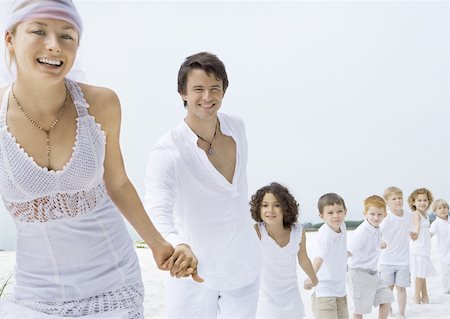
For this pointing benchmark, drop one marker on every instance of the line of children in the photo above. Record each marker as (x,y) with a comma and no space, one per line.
(397,241)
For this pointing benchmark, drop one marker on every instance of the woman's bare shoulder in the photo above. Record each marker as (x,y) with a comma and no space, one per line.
(98,96)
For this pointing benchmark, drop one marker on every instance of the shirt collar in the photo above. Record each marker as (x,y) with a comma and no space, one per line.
(369,227)
(192,137)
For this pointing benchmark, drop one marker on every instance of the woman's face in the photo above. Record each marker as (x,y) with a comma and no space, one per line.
(43,49)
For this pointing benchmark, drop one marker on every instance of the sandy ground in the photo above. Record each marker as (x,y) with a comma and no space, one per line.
(439,307)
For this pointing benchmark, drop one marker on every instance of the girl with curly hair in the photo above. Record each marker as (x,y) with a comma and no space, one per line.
(283,241)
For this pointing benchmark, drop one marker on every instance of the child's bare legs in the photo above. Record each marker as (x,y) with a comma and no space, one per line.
(418,290)
(384,311)
(424,292)
(355,316)
(401,300)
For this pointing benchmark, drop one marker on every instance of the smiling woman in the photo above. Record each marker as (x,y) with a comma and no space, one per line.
(61,167)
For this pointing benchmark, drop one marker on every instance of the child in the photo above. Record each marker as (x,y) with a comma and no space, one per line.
(441,229)
(283,241)
(329,301)
(421,267)
(394,259)
(366,287)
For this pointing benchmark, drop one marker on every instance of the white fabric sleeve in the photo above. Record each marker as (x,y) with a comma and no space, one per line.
(322,247)
(434,228)
(161,192)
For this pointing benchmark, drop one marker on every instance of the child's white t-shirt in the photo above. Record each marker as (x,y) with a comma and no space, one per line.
(440,228)
(332,248)
(365,247)
(395,233)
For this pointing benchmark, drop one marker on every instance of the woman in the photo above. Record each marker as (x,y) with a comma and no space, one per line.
(63,180)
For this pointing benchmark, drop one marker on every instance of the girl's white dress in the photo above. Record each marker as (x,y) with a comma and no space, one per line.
(279,295)
(74,257)
(421,265)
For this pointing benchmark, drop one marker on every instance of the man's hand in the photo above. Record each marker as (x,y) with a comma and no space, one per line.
(183,263)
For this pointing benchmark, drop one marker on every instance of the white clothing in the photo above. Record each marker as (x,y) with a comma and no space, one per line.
(365,247)
(421,265)
(189,201)
(440,228)
(188,299)
(395,233)
(422,245)
(279,295)
(332,248)
(74,255)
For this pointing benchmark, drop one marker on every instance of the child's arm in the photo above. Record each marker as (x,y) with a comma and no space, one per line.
(305,263)
(308,284)
(416,229)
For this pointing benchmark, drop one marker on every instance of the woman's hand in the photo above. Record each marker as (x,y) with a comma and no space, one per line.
(161,254)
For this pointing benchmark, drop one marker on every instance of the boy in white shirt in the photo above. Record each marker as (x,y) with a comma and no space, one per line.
(394,259)
(329,300)
(440,228)
(366,287)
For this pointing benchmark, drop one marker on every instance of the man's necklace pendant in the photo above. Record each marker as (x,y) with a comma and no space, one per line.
(211,151)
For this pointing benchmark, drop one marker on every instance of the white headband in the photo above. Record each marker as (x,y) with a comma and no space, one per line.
(46,9)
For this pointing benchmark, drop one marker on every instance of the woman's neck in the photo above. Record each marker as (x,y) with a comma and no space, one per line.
(39,98)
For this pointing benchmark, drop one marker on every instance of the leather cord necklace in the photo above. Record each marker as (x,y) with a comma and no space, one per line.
(210,150)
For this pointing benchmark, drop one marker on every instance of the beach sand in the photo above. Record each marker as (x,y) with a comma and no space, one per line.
(439,307)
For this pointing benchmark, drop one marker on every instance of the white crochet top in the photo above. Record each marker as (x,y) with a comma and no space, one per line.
(74,255)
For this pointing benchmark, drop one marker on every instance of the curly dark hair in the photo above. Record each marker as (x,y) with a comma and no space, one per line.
(289,205)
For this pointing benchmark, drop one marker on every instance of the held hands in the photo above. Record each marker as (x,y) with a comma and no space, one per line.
(161,254)
(413,235)
(383,245)
(308,284)
(183,263)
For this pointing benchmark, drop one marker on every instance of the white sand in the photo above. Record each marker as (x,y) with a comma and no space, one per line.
(439,307)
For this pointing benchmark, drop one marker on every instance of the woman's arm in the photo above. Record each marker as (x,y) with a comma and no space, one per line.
(105,107)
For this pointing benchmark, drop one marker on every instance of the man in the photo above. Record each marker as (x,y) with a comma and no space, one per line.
(196,195)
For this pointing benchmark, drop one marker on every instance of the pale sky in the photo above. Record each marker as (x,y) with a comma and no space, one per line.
(343,96)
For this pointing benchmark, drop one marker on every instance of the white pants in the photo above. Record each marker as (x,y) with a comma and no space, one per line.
(187,299)
(445,271)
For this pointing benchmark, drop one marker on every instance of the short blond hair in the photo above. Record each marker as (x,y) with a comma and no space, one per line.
(417,192)
(392,190)
(374,201)
(437,203)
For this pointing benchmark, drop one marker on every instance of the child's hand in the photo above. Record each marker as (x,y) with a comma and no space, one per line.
(308,284)
(413,235)
(383,245)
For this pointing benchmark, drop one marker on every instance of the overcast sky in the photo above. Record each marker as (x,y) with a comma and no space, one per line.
(343,96)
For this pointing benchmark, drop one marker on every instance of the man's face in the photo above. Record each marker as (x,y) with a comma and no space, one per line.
(204,94)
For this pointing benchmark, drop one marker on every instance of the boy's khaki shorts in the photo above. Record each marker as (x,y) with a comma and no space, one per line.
(329,307)
(367,290)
